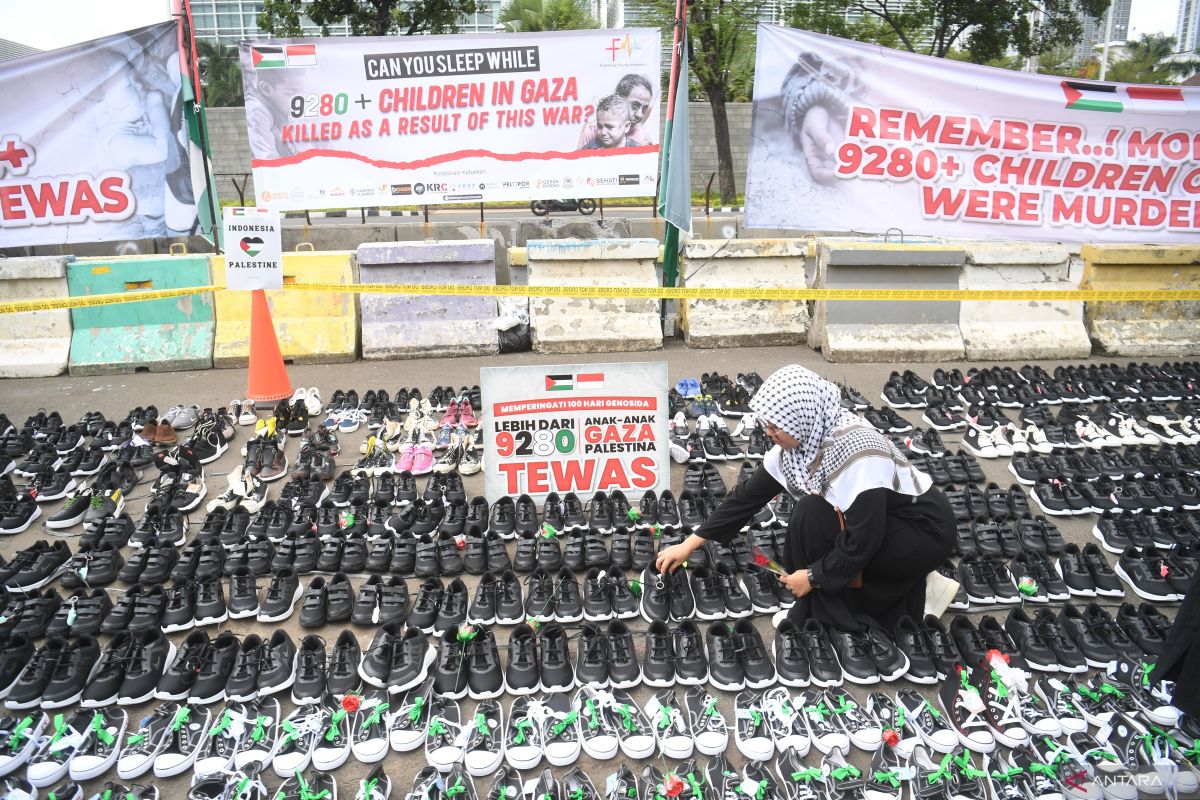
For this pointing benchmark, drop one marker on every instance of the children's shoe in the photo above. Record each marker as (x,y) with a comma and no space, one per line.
(711,729)
(444,743)
(523,734)
(484,750)
(753,733)
(675,738)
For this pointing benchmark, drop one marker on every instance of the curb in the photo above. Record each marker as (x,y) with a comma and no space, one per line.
(371,212)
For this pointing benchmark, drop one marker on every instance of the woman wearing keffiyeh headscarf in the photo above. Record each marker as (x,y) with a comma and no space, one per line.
(866,527)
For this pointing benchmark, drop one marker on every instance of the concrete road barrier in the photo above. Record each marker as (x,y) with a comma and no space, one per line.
(1007,330)
(424,326)
(850,330)
(36,344)
(1145,329)
(312,327)
(602,325)
(746,263)
(157,335)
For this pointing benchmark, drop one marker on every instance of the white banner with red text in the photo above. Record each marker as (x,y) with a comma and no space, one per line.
(580,428)
(92,142)
(361,122)
(848,136)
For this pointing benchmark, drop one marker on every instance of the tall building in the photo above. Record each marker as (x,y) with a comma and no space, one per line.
(1187,27)
(1094,29)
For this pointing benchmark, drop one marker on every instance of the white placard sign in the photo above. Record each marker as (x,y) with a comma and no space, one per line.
(253,251)
(579,428)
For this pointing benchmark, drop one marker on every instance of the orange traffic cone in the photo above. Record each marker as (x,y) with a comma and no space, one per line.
(268,376)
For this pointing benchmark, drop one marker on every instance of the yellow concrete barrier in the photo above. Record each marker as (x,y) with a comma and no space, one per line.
(312,327)
(1149,329)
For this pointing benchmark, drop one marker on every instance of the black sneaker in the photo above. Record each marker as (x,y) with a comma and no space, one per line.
(555,666)
(309,684)
(276,664)
(521,674)
(912,641)
(281,596)
(726,671)
(658,668)
(180,673)
(71,673)
(148,657)
(485,681)
(342,673)
(215,668)
(791,659)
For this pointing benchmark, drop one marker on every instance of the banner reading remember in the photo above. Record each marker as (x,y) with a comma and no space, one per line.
(848,136)
(361,122)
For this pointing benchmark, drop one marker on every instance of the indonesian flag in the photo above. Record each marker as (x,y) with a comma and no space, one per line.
(301,55)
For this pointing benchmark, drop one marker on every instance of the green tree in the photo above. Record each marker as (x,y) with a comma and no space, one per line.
(829,17)
(366,17)
(546,15)
(1057,61)
(985,30)
(1148,60)
(220,75)
(721,58)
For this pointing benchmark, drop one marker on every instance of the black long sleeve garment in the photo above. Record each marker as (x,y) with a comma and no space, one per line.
(866,525)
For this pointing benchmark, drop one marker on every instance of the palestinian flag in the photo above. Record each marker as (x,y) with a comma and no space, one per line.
(560,383)
(301,55)
(267,57)
(1092,96)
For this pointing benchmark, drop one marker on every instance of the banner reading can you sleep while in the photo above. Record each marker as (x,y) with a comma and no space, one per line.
(92,142)
(849,136)
(438,119)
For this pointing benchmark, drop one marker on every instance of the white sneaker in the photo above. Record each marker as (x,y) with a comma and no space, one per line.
(312,401)
(939,593)
(231,496)
(249,414)
(746,426)
(298,396)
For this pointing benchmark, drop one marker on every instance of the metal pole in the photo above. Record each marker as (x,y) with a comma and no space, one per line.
(1104,49)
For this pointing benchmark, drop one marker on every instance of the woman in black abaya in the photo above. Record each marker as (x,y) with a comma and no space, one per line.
(866,527)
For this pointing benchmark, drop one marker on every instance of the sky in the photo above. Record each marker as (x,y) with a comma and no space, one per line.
(47,24)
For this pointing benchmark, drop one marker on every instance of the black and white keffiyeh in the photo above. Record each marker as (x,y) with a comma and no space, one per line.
(809,408)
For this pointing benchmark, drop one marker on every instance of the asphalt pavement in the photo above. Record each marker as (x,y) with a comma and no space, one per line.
(115,395)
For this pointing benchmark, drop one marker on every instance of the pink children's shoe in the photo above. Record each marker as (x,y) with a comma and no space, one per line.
(422,460)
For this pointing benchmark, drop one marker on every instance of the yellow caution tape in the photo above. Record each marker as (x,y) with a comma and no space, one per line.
(647,292)
(749,293)
(87,301)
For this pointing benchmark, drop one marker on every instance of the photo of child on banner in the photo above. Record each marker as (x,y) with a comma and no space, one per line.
(637,93)
(117,126)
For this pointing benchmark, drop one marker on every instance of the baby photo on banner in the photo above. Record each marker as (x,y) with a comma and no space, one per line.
(93,145)
(360,122)
(855,137)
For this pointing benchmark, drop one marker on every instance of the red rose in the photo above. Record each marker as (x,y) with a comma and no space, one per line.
(351,702)
(672,785)
(891,738)
(761,560)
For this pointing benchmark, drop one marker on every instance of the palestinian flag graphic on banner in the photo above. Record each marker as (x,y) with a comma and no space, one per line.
(267,57)
(1085,96)
(580,380)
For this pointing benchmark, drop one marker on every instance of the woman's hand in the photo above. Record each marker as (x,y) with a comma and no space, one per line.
(796,582)
(671,558)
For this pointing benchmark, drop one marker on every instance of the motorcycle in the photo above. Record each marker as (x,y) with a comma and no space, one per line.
(541,208)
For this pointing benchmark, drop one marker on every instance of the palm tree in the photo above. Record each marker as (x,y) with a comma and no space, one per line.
(546,15)
(220,75)
(1148,60)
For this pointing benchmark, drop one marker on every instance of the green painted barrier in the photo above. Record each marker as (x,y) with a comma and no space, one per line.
(157,335)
